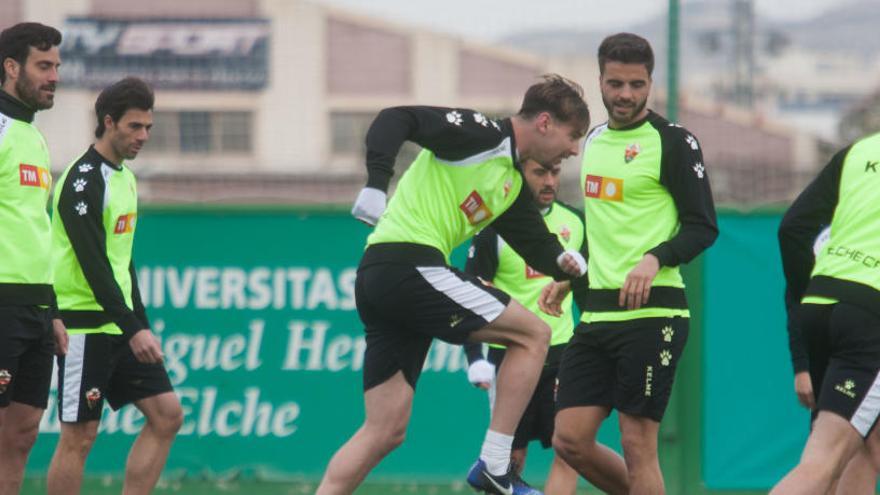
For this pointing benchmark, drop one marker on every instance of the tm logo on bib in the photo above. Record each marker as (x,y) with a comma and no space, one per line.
(475,208)
(607,188)
(32,175)
(125,223)
(532,273)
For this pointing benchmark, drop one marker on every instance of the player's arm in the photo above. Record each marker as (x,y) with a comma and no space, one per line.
(139,310)
(81,214)
(59,331)
(683,173)
(581,285)
(523,228)
(801,224)
(482,262)
(450,133)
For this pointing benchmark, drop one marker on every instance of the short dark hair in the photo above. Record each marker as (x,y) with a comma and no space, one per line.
(119,97)
(562,98)
(16,41)
(626,48)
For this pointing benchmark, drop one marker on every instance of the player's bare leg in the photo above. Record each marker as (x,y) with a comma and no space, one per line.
(526,338)
(859,477)
(66,469)
(562,479)
(831,444)
(574,439)
(388,407)
(150,450)
(638,438)
(19,426)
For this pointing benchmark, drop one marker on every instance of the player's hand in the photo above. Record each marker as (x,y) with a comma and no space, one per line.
(145,347)
(481,373)
(61,338)
(572,263)
(369,205)
(552,295)
(637,287)
(803,387)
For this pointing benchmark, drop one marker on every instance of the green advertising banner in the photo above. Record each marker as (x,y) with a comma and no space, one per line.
(262,341)
(753,429)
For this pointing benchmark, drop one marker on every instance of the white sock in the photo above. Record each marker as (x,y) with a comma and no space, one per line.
(496,452)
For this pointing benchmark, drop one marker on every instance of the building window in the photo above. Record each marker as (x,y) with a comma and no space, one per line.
(202,132)
(348,130)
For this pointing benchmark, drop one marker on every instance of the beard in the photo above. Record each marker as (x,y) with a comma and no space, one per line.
(30,94)
(627,119)
(541,202)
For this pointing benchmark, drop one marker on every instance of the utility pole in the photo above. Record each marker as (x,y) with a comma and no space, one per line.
(672,61)
(743,34)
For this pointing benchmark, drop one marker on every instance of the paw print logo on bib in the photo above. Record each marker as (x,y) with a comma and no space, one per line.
(665,357)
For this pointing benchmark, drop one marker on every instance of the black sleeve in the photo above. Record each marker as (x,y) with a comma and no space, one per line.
(81,213)
(581,285)
(474,352)
(139,310)
(482,262)
(482,258)
(522,227)
(53,306)
(683,173)
(452,134)
(805,218)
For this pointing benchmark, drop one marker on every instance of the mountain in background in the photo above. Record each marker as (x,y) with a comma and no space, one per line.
(851,28)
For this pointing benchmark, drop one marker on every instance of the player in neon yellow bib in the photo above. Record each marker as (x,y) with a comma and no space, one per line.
(113,355)
(491,259)
(466,177)
(833,305)
(648,209)
(30,329)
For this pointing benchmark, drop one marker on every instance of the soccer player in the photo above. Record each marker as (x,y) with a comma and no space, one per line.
(648,209)
(833,306)
(860,474)
(29,328)
(493,261)
(112,353)
(466,177)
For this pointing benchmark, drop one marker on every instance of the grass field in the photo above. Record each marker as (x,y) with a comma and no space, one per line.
(194,487)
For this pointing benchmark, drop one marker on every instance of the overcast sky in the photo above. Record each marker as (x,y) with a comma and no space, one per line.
(487,20)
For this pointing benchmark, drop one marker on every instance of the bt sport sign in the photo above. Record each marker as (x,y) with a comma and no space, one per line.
(188,54)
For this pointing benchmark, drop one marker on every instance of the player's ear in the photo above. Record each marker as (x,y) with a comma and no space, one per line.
(11,66)
(543,121)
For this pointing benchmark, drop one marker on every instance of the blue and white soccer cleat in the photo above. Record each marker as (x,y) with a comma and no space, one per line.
(506,484)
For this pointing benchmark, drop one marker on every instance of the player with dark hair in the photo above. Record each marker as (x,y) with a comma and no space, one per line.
(648,210)
(112,353)
(494,262)
(30,329)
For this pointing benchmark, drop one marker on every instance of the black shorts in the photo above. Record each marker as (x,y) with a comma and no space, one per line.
(627,365)
(99,366)
(843,345)
(404,307)
(539,417)
(26,349)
